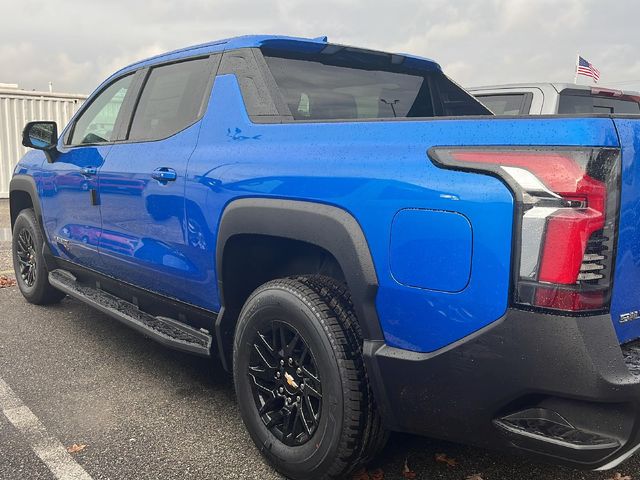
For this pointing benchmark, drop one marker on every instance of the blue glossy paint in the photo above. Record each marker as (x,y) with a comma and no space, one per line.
(73,225)
(432,249)
(373,170)
(162,237)
(626,282)
(143,218)
(253,41)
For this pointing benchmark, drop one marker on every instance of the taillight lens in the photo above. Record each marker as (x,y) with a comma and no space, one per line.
(567,200)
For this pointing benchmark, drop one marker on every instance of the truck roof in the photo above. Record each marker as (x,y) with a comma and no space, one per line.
(257,41)
(557,86)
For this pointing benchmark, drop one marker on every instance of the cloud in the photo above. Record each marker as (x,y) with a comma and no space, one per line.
(76,44)
(111,65)
(547,15)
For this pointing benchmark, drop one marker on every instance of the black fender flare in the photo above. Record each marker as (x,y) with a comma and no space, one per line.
(329,227)
(26,184)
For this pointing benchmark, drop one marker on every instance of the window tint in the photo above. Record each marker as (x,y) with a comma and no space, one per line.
(171,99)
(455,100)
(594,104)
(352,84)
(511,104)
(96,124)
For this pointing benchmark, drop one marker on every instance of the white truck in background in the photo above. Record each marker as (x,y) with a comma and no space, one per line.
(556,98)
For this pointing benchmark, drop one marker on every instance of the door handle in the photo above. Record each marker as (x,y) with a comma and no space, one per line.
(88,172)
(164,175)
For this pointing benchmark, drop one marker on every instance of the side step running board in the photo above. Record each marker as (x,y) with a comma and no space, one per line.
(166,331)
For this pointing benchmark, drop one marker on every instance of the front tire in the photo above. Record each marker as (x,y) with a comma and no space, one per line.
(300,379)
(29,266)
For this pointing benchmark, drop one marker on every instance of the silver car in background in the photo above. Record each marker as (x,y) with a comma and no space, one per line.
(556,98)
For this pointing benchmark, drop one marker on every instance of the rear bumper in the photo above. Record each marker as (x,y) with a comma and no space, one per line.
(555,387)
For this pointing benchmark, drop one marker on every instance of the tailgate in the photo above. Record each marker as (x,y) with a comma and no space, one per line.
(625,301)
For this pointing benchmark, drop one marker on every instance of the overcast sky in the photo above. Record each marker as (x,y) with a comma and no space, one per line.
(77,43)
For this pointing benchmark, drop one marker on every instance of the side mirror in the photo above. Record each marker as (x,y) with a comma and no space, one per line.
(41,136)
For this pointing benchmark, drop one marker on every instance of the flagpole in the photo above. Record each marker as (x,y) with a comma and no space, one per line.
(575,78)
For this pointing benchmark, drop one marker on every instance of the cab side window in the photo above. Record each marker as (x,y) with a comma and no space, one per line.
(97,123)
(171,100)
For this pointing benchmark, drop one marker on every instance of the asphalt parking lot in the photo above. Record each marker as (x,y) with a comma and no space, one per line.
(144,412)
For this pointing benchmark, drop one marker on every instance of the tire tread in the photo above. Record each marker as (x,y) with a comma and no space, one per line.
(43,293)
(363,433)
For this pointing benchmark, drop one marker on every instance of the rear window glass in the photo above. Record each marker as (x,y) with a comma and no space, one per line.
(511,104)
(570,103)
(351,84)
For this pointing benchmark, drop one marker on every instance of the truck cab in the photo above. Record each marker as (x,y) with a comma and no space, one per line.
(556,98)
(360,241)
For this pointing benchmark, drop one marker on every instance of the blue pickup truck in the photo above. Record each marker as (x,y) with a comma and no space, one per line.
(355,237)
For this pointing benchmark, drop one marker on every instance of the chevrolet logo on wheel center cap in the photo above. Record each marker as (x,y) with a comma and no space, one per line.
(292,383)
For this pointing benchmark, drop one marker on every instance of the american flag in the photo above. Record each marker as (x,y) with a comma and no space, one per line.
(587,69)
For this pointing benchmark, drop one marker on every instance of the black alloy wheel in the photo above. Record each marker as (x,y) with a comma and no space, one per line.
(26,253)
(286,384)
(32,275)
(300,379)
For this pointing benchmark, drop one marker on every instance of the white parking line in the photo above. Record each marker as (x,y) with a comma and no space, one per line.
(46,446)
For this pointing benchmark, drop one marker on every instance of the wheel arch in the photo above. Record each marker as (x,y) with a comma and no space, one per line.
(23,193)
(319,227)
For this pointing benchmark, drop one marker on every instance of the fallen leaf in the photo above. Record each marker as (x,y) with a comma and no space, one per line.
(361,474)
(6,281)
(377,474)
(406,471)
(443,458)
(76,447)
(619,476)
(475,476)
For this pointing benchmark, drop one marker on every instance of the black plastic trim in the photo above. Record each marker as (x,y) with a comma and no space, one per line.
(125,115)
(26,184)
(549,116)
(325,226)
(261,96)
(272,87)
(167,331)
(51,151)
(571,366)
(151,302)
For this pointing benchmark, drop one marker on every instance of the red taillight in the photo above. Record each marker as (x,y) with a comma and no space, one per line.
(567,199)
(565,244)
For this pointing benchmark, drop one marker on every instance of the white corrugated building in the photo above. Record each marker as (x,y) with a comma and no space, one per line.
(17,107)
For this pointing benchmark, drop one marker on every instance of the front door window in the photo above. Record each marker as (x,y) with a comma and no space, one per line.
(97,123)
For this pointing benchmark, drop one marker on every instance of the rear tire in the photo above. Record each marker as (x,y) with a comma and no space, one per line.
(29,266)
(338,295)
(298,358)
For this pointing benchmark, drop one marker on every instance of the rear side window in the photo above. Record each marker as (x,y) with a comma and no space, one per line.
(171,99)
(351,84)
(570,103)
(509,104)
